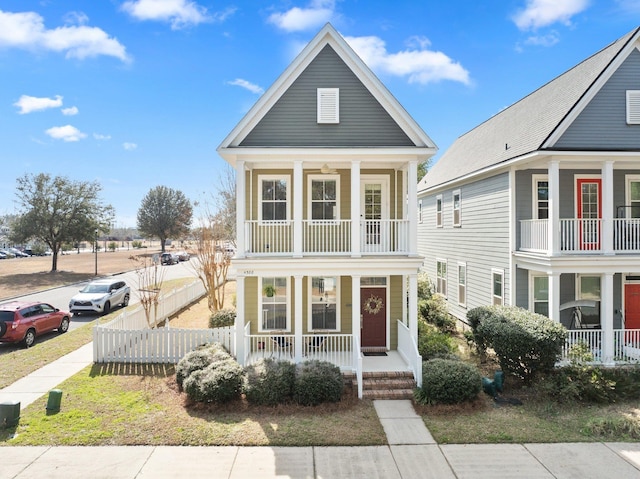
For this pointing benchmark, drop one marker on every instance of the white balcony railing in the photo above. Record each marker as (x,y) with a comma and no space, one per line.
(576,235)
(269,237)
(626,235)
(534,235)
(328,236)
(384,236)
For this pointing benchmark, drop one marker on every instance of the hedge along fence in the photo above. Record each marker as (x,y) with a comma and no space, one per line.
(525,343)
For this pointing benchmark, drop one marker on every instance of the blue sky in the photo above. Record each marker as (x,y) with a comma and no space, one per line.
(139,93)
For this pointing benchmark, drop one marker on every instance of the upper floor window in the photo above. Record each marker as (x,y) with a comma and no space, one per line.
(462,284)
(274,302)
(633,107)
(324,197)
(274,193)
(540,197)
(633,198)
(441,277)
(497,287)
(456,208)
(324,303)
(439,211)
(328,105)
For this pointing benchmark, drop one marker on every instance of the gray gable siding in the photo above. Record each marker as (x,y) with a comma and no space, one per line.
(482,241)
(292,121)
(602,124)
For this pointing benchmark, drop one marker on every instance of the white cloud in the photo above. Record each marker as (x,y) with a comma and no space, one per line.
(547,40)
(129,146)
(71,111)
(542,13)
(417,62)
(26,30)
(65,133)
(101,137)
(76,18)
(247,85)
(27,103)
(180,13)
(296,19)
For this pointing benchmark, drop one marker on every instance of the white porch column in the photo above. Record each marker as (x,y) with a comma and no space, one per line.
(240,209)
(298,188)
(607,207)
(554,297)
(355,308)
(355,209)
(240,320)
(297,316)
(412,207)
(554,208)
(413,306)
(606,318)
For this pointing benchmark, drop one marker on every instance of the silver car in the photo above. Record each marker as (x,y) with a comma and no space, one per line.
(100,296)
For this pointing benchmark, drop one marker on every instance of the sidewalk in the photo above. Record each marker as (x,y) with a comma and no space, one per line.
(411,453)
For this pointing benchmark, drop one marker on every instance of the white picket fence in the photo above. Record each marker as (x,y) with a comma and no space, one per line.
(129,339)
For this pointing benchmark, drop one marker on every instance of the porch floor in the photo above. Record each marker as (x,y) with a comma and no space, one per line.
(391,362)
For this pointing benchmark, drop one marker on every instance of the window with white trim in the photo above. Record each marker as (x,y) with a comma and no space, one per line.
(274,195)
(456,208)
(633,197)
(589,287)
(324,200)
(462,284)
(633,107)
(439,211)
(274,303)
(540,197)
(497,287)
(328,105)
(324,303)
(540,294)
(441,277)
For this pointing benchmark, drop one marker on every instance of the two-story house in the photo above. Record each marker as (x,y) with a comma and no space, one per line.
(539,206)
(326,177)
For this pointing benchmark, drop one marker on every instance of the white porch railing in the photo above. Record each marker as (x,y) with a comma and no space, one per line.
(626,235)
(269,237)
(534,235)
(384,236)
(626,347)
(327,236)
(577,235)
(408,349)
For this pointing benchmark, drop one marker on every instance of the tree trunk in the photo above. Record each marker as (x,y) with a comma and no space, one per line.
(163,242)
(54,261)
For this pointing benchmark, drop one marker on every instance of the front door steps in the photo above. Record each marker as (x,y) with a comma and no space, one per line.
(383,384)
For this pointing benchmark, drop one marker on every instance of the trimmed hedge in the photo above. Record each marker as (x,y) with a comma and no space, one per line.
(198,359)
(447,381)
(525,343)
(317,382)
(269,382)
(222,318)
(219,382)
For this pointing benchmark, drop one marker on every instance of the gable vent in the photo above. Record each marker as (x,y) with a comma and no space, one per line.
(328,105)
(633,107)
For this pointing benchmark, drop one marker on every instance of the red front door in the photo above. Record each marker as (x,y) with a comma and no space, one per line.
(373,308)
(632,306)
(589,206)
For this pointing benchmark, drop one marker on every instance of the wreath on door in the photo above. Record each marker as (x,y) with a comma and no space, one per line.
(373,304)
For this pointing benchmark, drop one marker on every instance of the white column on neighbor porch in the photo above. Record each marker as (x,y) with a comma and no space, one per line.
(239,324)
(297,317)
(412,207)
(355,209)
(554,297)
(297,208)
(355,307)
(413,306)
(607,207)
(240,208)
(606,318)
(553,230)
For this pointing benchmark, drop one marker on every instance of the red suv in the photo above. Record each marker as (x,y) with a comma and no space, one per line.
(23,321)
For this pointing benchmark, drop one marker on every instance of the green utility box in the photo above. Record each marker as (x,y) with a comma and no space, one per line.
(9,413)
(55,398)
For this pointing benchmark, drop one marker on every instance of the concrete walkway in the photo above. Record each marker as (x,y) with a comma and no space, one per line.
(411,453)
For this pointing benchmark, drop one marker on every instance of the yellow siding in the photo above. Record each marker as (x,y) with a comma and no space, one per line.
(251,302)
(395,309)
(346,310)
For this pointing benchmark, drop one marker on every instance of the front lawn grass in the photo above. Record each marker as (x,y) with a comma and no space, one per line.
(121,404)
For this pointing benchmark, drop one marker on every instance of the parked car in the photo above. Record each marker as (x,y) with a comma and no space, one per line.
(7,253)
(183,256)
(169,258)
(100,296)
(18,253)
(2,255)
(22,321)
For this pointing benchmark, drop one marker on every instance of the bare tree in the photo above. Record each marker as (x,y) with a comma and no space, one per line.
(150,279)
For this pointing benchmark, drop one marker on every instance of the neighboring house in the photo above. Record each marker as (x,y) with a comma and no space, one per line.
(326,176)
(539,206)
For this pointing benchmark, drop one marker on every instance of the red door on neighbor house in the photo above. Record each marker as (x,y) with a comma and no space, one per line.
(632,306)
(589,206)
(373,309)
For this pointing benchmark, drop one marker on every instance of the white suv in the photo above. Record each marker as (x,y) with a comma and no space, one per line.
(100,296)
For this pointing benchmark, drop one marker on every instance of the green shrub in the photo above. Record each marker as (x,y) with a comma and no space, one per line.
(219,382)
(222,318)
(317,382)
(269,382)
(525,343)
(433,343)
(199,359)
(135,244)
(447,381)
(425,287)
(434,311)
(475,317)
